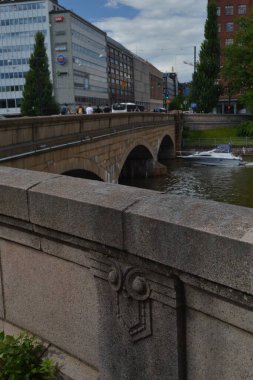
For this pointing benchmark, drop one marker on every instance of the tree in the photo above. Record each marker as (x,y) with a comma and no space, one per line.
(205,90)
(37,95)
(237,70)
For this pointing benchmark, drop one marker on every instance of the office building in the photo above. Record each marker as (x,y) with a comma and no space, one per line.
(120,73)
(141,82)
(78,60)
(156,87)
(86,66)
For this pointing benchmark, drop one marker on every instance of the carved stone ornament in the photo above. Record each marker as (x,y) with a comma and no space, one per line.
(132,300)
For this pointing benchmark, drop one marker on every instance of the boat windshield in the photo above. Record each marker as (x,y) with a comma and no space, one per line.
(223,148)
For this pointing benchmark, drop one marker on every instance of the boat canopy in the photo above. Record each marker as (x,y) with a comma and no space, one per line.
(223,148)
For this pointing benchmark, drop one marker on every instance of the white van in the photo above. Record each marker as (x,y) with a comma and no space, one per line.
(124,107)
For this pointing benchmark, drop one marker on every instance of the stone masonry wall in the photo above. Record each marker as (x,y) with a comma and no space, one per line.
(127,283)
(209,121)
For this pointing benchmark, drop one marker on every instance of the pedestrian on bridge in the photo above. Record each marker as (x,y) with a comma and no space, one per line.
(80,110)
(89,110)
(98,110)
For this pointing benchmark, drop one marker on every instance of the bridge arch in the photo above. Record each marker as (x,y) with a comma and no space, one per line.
(166,149)
(75,164)
(138,148)
(137,161)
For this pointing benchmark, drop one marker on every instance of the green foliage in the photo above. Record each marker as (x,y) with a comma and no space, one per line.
(186,132)
(247,99)
(177,102)
(37,95)
(246,129)
(21,359)
(212,133)
(237,70)
(204,89)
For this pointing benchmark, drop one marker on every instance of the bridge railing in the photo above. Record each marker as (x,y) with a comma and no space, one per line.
(129,283)
(29,135)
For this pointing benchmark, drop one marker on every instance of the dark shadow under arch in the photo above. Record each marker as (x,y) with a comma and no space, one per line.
(81,173)
(166,149)
(139,162)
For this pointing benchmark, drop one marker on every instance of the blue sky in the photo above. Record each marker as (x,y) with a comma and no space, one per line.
(98,9)
(162,31)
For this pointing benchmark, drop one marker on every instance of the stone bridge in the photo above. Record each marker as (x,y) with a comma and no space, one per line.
(101,147)
(126,284)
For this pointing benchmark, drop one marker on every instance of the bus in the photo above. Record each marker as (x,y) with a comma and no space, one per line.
(124,107)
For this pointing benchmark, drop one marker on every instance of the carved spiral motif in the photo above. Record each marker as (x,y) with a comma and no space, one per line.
(132,283)
(136,285)
(115,277)
(139,285)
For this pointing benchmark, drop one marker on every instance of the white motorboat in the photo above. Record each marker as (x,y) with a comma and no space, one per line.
(219,156)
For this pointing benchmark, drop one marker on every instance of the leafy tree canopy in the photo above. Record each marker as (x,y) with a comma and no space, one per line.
(37,95)
(205,90)
(237,70)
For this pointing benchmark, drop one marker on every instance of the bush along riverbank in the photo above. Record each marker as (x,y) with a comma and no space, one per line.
(240,136)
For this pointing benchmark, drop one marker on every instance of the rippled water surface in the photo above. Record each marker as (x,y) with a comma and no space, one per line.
(229,185)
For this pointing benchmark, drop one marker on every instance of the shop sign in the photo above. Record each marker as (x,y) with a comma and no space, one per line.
(61,48)
(59,18)
(61,59)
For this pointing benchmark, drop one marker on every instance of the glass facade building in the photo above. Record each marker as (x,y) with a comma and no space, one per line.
(19,22)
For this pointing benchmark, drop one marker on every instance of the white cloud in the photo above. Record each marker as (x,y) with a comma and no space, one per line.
(112,4)
(163,32)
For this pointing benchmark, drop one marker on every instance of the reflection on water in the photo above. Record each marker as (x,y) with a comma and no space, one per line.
(229,185)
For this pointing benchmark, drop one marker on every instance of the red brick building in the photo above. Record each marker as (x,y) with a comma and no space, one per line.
(228,11)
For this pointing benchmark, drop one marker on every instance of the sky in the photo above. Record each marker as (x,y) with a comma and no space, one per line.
(164,32)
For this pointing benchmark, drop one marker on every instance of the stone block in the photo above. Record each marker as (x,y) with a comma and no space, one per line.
(236,314)
(13,190)
(217,350)
(10,329)
(165,229)
(76,255)
(22,237)
(1,294)
(52,298)
(83,208)
(71,368)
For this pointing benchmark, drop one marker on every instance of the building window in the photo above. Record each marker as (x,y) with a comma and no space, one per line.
(229,41)
(229,10)
(229,26)
(242,9)
(218,11)
(219,28)
(60,33)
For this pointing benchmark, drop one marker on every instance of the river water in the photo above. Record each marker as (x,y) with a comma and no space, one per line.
(229,185)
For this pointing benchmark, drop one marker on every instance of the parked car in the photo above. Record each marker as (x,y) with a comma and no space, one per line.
(160,109)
